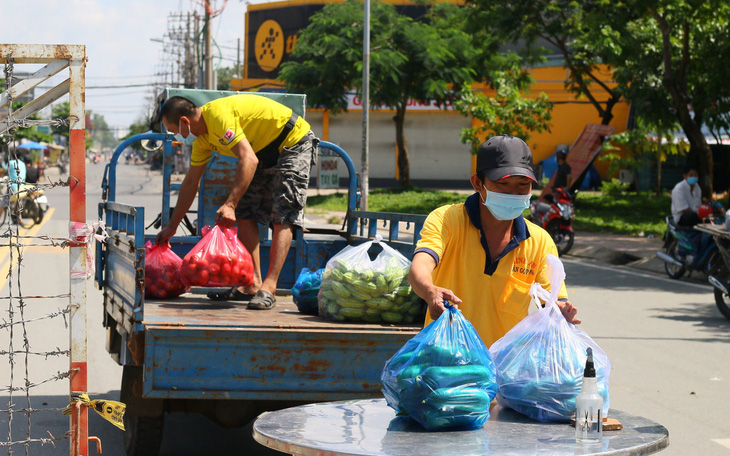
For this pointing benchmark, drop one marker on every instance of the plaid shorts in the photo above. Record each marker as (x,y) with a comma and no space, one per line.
(277,195)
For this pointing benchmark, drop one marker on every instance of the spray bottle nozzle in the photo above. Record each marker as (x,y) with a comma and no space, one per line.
(590,370)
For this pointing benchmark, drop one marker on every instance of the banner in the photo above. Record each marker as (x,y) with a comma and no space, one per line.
(272,30)
(582,153)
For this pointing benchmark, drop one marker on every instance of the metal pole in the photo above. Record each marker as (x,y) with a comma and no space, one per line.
(208,59)
(78,247)
(238,58)
(364,173)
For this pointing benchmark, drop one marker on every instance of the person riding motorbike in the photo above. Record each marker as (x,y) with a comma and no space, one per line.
(563,176)
(686,204)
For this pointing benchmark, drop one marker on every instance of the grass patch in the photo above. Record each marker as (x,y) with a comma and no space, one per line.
(407,200)
(628,213)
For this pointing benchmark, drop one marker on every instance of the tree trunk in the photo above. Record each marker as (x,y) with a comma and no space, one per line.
(404,169)
(659,167)
(699,148)
(675,81)
(607,116)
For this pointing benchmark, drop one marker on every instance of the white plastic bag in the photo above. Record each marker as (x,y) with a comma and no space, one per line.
(358,288)
(540,361)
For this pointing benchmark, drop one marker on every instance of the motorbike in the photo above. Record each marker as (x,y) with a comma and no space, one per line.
(683,253)
(29,203)
(555,214)
(719,278)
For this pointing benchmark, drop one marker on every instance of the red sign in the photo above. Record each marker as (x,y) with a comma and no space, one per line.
(584,150)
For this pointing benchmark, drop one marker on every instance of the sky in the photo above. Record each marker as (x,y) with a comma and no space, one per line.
(118,37)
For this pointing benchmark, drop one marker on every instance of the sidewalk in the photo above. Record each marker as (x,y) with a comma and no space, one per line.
(635,252)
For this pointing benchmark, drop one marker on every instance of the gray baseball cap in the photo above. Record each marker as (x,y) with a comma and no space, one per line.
(505,156)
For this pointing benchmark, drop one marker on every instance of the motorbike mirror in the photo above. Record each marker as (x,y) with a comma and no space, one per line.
(151,146)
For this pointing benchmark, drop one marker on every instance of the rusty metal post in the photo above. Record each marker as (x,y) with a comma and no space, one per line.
(78,250)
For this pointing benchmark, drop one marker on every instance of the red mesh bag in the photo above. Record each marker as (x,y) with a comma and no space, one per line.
(162,272)
(219,259)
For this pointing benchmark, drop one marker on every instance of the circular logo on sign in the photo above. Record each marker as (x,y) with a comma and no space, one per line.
(269,45)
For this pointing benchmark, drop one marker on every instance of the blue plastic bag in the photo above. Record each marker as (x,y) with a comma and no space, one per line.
(540,361)
(444,377)
(306,289)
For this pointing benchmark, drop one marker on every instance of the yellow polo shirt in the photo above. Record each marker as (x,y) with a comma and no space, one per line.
(495,293)
(256,118)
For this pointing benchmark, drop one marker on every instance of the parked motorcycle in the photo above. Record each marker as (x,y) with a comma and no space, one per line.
(720,277)
(30,203)
(680,253)
(556,215)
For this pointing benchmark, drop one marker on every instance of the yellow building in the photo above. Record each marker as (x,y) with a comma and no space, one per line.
(437,157)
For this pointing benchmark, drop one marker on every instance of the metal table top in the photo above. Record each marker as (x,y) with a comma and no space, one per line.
(370,427)
(715,230)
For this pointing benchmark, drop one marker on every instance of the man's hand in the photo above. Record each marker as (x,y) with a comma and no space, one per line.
(165,234)
(225,216)
(436,298)
(568,311)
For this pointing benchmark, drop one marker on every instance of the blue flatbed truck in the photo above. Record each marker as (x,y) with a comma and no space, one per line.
(218,358)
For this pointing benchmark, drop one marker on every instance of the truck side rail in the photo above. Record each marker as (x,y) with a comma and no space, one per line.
(120,263)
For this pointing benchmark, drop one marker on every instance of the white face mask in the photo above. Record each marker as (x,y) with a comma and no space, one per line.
(186,140)
(504,206)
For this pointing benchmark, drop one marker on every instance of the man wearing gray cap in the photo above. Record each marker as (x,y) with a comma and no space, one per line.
(482,254)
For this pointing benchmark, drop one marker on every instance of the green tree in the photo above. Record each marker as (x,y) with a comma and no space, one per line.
(564,26)
(61,111)
(409,60)
(101,134)
(665,55)
(136,129)
(223,77)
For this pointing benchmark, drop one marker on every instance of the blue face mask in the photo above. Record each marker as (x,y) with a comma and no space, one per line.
(692,180)
(186,140)
(504,206)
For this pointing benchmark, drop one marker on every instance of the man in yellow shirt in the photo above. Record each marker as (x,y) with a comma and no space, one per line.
(275,149)
(482,255)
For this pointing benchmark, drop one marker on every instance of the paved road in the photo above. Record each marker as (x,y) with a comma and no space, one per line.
(667,343)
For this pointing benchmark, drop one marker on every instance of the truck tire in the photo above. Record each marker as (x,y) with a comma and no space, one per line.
(142,434)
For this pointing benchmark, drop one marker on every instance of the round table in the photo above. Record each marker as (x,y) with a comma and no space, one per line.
(370,427)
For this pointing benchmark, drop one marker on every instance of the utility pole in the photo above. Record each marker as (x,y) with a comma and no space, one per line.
(364,173)
(238,58)
(189,81)
(208,59)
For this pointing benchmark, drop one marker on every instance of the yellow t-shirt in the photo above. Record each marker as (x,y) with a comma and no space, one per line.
(495,294)
(256,118)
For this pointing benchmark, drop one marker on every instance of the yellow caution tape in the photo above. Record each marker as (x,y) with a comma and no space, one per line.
(111,411)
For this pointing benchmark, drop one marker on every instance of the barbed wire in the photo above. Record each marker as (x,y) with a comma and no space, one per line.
(13,191)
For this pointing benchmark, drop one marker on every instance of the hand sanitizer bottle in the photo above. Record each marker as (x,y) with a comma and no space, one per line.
(589,406)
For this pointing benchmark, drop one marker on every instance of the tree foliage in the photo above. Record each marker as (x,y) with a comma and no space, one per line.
(664,54)
(136,129)
(563,25)
(425,60)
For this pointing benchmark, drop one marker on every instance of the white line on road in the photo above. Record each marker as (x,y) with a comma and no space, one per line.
(723,442)
(628,271)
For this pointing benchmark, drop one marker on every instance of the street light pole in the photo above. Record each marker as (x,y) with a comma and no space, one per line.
(364,174)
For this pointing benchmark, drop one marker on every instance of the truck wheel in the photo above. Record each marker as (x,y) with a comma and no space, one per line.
(142,434)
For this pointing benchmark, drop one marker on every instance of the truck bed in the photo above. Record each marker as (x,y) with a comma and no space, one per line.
(196,348)
(196,310)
